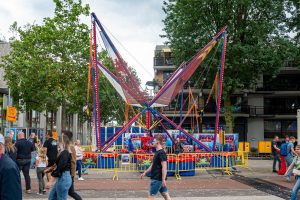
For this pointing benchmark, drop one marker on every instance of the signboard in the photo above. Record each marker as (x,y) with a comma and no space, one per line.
(11,114)
(54,135)
(125,159)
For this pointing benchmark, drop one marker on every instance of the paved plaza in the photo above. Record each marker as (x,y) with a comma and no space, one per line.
(257,182)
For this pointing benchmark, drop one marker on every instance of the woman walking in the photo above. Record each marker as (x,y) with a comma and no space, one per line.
(10,149)
(40,164)
(79,157)
(295,164)
(62,172)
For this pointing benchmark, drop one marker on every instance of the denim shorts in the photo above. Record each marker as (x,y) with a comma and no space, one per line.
(155,187)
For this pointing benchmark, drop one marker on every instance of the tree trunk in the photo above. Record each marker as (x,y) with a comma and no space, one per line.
(47,119)
(52,120)
(228,115)
(63,117)
(30,118)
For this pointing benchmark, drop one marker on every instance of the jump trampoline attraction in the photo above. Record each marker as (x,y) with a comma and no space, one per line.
(128,87)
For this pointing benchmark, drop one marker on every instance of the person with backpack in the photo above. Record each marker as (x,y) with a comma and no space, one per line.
(295,164)
(276,157)
(287,150)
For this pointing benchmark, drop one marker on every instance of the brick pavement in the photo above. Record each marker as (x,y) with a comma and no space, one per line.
(203,186)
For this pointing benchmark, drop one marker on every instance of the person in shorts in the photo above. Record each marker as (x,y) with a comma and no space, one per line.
(51,149)
(158,170)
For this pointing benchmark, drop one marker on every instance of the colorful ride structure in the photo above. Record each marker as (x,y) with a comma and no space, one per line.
(128,87)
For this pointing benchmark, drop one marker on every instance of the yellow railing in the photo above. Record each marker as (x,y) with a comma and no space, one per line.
(178,165)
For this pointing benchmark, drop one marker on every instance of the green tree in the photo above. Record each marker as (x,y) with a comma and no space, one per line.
(257,42)
(292,8)
(48,64)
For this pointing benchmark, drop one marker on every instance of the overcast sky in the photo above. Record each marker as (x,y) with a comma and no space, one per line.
(136,24)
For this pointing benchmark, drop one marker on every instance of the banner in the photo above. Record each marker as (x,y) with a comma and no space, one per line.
(11,114)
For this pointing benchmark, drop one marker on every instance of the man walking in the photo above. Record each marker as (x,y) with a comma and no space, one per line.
(158,171)
(33,140)
(72,192)
(276,156)
(10,180)
(51,149)
(24,149)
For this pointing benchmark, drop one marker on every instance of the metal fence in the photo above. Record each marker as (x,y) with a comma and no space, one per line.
(178,165)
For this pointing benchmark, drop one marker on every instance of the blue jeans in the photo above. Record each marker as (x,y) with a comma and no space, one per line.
(78,167)
(156,186)
(276,158)
(61,187)
(295,189)
(289,160)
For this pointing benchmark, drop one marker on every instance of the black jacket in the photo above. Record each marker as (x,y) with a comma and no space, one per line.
(24,149)
(10,180)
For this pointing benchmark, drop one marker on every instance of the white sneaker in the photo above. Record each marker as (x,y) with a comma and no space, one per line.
(80,179)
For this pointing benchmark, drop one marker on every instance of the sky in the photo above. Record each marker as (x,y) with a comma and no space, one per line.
(136,24)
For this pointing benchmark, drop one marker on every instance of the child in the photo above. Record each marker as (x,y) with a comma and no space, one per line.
(40,164)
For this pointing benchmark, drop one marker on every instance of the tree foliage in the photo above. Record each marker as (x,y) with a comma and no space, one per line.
(257,39)
(48,64)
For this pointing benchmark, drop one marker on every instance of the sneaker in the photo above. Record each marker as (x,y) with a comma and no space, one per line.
(28,191)
(39,193)
(275,171)
(80,179)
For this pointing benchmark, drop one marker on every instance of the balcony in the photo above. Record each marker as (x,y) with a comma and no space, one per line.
(163,61)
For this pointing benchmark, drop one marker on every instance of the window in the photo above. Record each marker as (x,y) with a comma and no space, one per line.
(280,128)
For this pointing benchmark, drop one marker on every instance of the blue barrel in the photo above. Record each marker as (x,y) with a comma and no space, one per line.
(107,161)
(187,166)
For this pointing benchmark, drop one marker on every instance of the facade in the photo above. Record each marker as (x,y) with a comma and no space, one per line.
(270,109)
(33,121)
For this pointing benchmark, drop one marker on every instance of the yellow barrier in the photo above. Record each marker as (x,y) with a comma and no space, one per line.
(264,147)
(178,165)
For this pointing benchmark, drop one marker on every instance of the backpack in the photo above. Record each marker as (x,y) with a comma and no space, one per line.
(284,149)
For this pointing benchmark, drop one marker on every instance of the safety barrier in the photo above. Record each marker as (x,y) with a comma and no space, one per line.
(178,165)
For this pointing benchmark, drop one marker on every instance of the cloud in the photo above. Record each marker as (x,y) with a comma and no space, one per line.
(136,24)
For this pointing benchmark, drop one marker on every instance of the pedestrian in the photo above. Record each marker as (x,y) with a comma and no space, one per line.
(10,180)
(72,192)
(296,171)
(276,156)
(158,170)
(51,149)
(79,157)
(289,155)
(33,140)
(178,146)
(12,136)
(41,163)
(24,149)
(62,172)
(10,149)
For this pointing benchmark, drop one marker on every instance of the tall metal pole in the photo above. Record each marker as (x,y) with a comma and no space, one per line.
(220,88)
(96,91)
(181,106)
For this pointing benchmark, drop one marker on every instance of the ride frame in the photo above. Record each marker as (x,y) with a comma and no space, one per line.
(148,107)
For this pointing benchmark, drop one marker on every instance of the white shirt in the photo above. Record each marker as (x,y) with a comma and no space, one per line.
(79,153)
(40,162)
